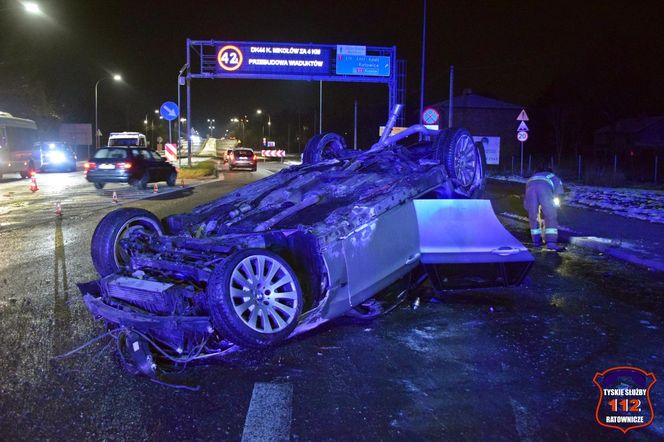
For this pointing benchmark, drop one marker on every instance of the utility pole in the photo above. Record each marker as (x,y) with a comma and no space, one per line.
(320,107)
(424,43)
(451,100)
(355,128)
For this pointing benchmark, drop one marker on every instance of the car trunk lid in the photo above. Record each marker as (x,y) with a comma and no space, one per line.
(463,245)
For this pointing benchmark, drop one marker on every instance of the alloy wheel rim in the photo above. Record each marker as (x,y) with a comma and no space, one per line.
(465,160)
(263,294)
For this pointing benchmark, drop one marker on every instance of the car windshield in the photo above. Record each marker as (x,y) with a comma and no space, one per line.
(111,153)
(123,142)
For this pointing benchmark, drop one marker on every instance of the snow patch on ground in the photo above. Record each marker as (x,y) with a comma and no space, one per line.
(647,205)
(510,178)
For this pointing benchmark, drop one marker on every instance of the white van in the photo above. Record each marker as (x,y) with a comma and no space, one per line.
(127,139)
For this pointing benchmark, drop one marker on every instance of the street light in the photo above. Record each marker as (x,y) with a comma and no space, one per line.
(116,77)
(32,8)
(269,122)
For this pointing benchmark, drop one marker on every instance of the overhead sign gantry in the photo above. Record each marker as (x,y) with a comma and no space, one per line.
(294,61)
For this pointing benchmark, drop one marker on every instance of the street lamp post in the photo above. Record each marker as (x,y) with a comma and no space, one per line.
(269,122)
(211,127)
(115,77)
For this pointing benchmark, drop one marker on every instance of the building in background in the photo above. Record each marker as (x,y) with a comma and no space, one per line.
(635,144)
(486,118)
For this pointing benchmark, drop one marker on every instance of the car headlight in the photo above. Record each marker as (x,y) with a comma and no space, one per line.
(556,201)
(56,157)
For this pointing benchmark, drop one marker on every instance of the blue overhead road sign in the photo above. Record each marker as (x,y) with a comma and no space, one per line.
(369,65)
(169,111)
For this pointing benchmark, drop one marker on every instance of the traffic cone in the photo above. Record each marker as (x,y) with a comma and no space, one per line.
(58,209)
(155,189)
(115,197)
(33,184)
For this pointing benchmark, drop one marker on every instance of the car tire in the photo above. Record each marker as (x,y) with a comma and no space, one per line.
(172,179)
(239,306)
(142,183)
(99,186)
(463,160)
(321,147)
(254,169)
(107,257)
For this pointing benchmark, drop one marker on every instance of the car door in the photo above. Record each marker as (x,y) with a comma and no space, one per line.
(380,252)
(160,168)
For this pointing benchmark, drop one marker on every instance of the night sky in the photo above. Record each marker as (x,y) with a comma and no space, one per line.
(509,50)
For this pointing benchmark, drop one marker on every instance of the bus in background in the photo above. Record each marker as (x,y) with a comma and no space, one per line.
(18,153)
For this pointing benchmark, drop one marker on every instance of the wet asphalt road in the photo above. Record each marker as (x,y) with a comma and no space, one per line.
(492,364)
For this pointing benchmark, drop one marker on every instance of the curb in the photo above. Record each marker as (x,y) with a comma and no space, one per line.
(611,247)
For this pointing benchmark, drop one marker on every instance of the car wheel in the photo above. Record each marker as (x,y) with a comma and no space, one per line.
(255,298)
(142,183)
(254,168)
(463,160)
(137,225)
(99,185)
(172,178)
(23,175)
(321,147)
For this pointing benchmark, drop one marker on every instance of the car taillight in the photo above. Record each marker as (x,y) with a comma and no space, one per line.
(255,157)
(125,165)
(87,165)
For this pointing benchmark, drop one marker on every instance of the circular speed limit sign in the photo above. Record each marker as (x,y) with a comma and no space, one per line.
(229,58)
(522,135)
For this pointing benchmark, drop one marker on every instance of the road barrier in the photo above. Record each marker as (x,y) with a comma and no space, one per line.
(280,153)
(171,152)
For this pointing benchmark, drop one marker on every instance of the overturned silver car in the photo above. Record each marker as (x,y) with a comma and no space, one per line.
(303,246)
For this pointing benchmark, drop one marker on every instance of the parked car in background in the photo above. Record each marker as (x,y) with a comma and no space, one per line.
(56,156)
(132,165)
(227,155)
(243,157)
(127,139)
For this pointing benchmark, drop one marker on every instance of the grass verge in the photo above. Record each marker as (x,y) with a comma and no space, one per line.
(198,170)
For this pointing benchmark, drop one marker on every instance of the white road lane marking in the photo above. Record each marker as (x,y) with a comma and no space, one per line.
(269,415)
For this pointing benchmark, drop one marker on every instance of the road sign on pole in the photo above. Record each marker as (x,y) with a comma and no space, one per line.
(430,116)
(169,111)
(523,116)
(522,135)
(522,127)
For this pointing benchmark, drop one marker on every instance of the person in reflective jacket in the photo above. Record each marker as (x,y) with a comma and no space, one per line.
(542,191)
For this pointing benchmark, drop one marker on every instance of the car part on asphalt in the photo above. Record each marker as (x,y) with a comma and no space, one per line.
(308,244)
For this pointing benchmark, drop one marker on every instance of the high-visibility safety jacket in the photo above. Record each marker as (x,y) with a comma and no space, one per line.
(550,178)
